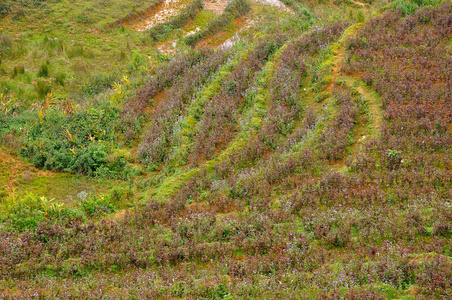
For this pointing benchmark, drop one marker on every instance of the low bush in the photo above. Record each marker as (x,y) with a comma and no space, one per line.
(97,205)
(95,84)
(31,211)
(409,7)
(135,15)
(81,142)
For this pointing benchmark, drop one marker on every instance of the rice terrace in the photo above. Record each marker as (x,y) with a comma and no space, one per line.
(226,149)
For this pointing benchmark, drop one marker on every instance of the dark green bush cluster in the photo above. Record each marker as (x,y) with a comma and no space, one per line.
(94,204)
(235,9)
(159,31)
(80,143)
(30,211)
(5,9)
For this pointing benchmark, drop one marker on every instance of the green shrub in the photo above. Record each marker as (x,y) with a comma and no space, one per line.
(29,211)
(98,83)
(72,213)
(409,7)
(81,143)
(26,217)
(95,205)
(138,60)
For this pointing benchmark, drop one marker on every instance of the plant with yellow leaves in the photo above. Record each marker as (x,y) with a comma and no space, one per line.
(48,100)
(117,88)
(41,116)
(50,207)
(71,138)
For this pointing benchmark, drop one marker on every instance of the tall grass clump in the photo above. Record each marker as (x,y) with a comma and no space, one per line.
(43,70)
(5,45)
(17,70)
(42,88)
(60,78)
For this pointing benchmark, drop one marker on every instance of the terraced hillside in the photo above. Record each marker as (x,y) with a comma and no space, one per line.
(291,150)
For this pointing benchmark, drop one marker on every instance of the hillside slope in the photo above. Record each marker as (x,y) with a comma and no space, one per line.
(296,151)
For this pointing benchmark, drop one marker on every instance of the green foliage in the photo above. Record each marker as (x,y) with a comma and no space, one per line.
(409,7)
(138,60)
(98,83)
(5,45)
(78,143)
(24,213)
(84,18)
(97,205)
(30,211)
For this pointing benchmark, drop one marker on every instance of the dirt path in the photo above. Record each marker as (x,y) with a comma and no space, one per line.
(275,3)
(217,6)
(358,3)
(163,13)
(363,131)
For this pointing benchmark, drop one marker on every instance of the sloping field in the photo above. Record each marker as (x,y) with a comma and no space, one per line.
(307,157)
